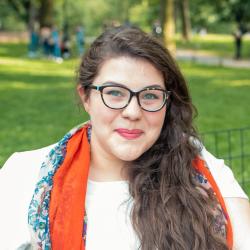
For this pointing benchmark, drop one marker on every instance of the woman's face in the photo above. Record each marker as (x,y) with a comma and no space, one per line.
(124,134)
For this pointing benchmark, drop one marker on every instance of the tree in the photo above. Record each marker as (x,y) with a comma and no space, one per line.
(46,13)
(27,11)
(20,8)
(185,18)
(169,25)
(234,13)
(238,12)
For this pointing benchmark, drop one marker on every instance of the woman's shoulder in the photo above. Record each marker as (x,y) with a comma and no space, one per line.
(26,159)
(18,178)
(22,170)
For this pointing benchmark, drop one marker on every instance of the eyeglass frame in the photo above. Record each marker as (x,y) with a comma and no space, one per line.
(132,93)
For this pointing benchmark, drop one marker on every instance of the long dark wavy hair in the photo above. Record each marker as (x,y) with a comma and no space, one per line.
(171,210)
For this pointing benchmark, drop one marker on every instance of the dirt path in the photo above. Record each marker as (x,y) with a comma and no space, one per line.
(196,56)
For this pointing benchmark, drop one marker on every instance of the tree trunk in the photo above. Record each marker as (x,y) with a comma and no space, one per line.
(32,16)
(185,18)
(65,18)
(169,27)
(162,13)
(46,13)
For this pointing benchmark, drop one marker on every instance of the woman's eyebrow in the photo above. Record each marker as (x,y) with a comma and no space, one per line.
(154,86)
(122,85)
(114,83)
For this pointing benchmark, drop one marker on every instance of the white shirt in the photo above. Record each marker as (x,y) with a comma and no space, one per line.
(104,202)
(108,207)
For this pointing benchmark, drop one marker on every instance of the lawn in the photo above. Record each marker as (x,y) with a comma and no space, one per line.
(215,44)
(38,102)
(221,96)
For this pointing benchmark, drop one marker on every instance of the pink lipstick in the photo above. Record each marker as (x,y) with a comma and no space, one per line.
(129,134)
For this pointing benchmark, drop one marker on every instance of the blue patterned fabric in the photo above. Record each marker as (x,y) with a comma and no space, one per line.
(38,214)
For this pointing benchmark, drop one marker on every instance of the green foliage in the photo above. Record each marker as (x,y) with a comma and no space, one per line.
(144,14)
(234,10)
(9,20)
(94,15)
(214,15)
(203,14)
(211,13)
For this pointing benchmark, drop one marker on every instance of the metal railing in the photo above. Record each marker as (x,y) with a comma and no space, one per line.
(232,145)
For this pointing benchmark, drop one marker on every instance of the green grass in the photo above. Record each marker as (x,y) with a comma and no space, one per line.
(38,102)
(215,44)
(221,96)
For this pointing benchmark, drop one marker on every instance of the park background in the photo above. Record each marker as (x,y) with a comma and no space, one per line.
(210,40)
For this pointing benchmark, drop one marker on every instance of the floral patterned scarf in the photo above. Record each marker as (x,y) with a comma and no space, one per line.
(56,215)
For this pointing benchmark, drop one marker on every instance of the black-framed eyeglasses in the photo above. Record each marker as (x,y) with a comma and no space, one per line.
(150,99)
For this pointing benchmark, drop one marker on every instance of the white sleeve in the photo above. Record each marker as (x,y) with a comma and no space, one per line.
(15,197)
(223,175)
(18,178)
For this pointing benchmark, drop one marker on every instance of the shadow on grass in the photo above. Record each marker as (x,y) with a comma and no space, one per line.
(13,49)
(34,80)
(33,118)
(17,50)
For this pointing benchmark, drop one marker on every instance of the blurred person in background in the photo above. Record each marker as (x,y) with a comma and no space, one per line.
(55,40)
(80,40)
(34,41)
(45,40)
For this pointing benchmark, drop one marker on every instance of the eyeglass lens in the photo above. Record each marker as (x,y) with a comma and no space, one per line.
(117,97)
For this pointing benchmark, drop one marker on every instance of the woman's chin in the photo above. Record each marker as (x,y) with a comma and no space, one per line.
(128,155)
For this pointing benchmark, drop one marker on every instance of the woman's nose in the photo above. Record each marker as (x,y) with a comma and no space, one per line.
(133,110)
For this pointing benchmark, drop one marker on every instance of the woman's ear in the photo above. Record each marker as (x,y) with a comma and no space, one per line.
(83,96)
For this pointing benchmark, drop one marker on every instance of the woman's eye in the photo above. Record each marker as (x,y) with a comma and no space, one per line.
(150,96)
(114,93)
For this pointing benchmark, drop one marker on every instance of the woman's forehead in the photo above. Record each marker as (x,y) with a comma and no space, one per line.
(129,71)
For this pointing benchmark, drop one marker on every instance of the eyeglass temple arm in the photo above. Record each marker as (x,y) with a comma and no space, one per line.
(98,88)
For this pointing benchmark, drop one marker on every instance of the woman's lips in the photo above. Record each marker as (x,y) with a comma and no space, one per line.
(129,133)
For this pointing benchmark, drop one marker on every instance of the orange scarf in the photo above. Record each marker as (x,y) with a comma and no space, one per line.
(67,203)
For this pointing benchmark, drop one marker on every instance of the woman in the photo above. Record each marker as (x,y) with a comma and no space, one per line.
(136,175)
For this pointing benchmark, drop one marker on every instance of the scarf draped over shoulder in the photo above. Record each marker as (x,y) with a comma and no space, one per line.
(56,215)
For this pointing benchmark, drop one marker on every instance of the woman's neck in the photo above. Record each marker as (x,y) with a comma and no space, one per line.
(105,168)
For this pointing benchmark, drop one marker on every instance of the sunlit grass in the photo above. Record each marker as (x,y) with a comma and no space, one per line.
(221,96)
(221,103)
(38,104)
(215,44)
